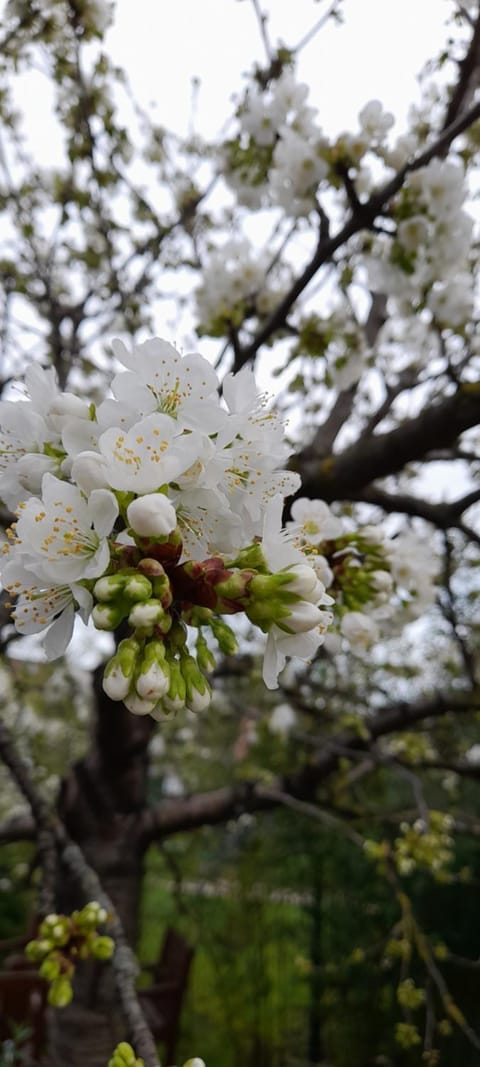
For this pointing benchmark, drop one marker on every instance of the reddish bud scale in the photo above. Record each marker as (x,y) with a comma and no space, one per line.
(124,556)
(196,584)
(168,553)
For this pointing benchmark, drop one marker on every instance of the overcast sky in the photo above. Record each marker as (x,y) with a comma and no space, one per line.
(377,52)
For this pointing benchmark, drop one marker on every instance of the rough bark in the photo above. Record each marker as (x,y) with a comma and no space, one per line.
(100,803)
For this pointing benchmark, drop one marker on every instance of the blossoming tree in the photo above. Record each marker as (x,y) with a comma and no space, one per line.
(153,491)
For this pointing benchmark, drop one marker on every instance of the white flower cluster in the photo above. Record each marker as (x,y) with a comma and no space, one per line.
(236,283)
(380,584)
(429,258)
(278,156)
(157,510)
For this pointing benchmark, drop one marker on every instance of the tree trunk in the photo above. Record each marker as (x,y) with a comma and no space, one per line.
(100,802)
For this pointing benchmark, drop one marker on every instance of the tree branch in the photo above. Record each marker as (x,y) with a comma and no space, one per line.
(219,805)
(344,476)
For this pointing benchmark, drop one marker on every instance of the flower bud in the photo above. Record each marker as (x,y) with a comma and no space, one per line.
(152,515)
(109,587)
(36,950)
(119,671)
(123,1056)
(174,699)
(51,967)
(107,616)
(205,657)
(303,581)
(60,993)
(198,692)
(137,587)
(302,617)
(154,676)
(146,615)
(102,948)
(225,636)
(137,705)
(88,471)
(195,1062)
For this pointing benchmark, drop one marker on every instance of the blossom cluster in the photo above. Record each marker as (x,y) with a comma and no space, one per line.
(160,511)
(155,514)
(428,261)
(62,941)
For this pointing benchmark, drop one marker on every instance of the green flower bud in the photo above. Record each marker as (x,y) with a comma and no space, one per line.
(108,616)
(153,677)
(198,692)
(125,1054)
(102,948)
(61,932)
(119,671)
(109,587)
(146,615)
(36,950)
(60,993)
(174,699)
(138,588)
(225,636)
(234,587)
(51,967)
(195,1062)
(91,915)
(48,923)
(205,657)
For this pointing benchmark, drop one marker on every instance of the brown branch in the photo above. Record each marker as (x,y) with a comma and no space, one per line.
(468,80)
(219,805)
(343,476)
(444,515)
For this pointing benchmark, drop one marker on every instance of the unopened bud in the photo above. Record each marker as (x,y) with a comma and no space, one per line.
(152,515)
(89,471)
(302,617)
(120,668)
(137,588)
(91,915)
(51,967)
(198,690)
(174,699)
(107,616)
(109,587)
(123,1056)
(36,950)
(60,993)
(137,705)
(146,615)
(154,675)
(225,636)
(205,657)
(102,948)
(302,580)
